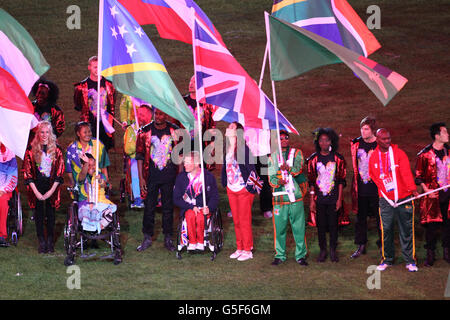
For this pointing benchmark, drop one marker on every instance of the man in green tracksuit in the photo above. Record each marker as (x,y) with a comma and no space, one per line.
(287,180)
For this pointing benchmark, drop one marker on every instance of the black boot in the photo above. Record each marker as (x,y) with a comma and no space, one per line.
(147,242)
(361,250)
(50,245)
(42,245)
(168,243)
(429,261)
(333,255)
(447,254)
(322,255)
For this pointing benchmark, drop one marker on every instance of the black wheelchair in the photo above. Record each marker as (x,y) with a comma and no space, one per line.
(14,222)
(76,238)
(213,239)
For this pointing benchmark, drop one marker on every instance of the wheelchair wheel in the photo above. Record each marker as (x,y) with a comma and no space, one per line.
(116,239)
(70,234)
(14,219)
(217,231)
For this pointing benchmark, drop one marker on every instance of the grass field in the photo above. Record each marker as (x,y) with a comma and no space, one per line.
(415,37)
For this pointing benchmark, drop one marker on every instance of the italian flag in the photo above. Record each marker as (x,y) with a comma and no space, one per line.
(21,64)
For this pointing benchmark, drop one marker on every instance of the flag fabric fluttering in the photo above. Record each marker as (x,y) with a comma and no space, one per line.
(334,20)
(21,64)
(131,62)
(288,40)
(171,17)
(222,82)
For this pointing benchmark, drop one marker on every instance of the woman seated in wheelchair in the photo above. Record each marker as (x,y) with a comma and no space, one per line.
(93,217)
(187,195)
(8,182)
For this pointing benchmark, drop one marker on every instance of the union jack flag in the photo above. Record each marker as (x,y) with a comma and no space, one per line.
(222,82)
(255,181)
(184,236)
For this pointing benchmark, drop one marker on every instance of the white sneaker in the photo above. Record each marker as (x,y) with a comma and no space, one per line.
(229,214)
(192,247)
(200,246)
(268,214)
(236,254)
(412,267)
(245,256)
(383,266)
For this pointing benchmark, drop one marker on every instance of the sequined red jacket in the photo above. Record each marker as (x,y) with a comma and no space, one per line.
(426,172)
(143,149)
(80,98)
(56,118)
(340,176)
(29,169)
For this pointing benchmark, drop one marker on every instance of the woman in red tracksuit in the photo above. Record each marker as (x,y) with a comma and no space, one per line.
(237,173)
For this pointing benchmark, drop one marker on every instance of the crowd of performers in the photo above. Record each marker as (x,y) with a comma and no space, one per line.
(382,179)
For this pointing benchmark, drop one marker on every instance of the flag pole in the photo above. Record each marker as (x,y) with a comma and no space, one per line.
(263,65)
(99,68)
(200,138)
(266,17)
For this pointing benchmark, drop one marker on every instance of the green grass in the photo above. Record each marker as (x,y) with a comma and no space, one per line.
(415,41)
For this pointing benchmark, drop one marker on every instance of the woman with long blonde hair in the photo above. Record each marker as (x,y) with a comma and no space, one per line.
(43,169)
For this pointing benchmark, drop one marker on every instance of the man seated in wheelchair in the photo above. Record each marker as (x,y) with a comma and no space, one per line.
(93,217)
(8,182)
(187,195)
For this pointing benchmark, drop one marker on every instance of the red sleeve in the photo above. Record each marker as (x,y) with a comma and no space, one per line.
(373,172)
(405,171)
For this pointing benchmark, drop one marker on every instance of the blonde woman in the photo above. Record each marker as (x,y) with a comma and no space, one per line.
(43,169)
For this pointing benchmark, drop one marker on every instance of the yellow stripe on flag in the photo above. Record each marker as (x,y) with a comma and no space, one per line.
(133,67)
(284,3)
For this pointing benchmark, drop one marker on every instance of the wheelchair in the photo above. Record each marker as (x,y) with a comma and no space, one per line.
(213,236)
(76,238)
(14,222)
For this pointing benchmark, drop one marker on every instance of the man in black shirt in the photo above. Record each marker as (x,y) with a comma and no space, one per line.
(157,173)
(364,191)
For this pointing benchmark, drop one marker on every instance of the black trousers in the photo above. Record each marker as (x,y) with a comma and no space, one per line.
(367,207)
(265,196)
(150,203)
(44,210)
(432,230)
(327,220)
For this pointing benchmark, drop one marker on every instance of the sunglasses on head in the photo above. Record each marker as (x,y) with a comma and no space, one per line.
(284,138)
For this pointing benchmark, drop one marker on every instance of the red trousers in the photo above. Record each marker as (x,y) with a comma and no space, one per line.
(4,207)
(195,226)
(241,207)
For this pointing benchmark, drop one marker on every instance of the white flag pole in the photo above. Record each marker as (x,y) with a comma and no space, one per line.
(202,91)
(263,65)
(266,17)
(421,195)
(99,71)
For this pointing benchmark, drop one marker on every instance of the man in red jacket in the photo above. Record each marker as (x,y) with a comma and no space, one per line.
(389,168)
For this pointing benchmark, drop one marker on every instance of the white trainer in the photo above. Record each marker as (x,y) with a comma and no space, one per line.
(245,256)
(200,246)
(236,254)
(268,214)
(192,247)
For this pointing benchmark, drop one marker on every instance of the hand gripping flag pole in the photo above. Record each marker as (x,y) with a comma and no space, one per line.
(420,195)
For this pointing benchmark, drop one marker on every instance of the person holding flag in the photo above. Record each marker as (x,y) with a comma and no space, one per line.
(432,172)
(288,181)
(187,195)
(85,98)
(389,169)
(238,176)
